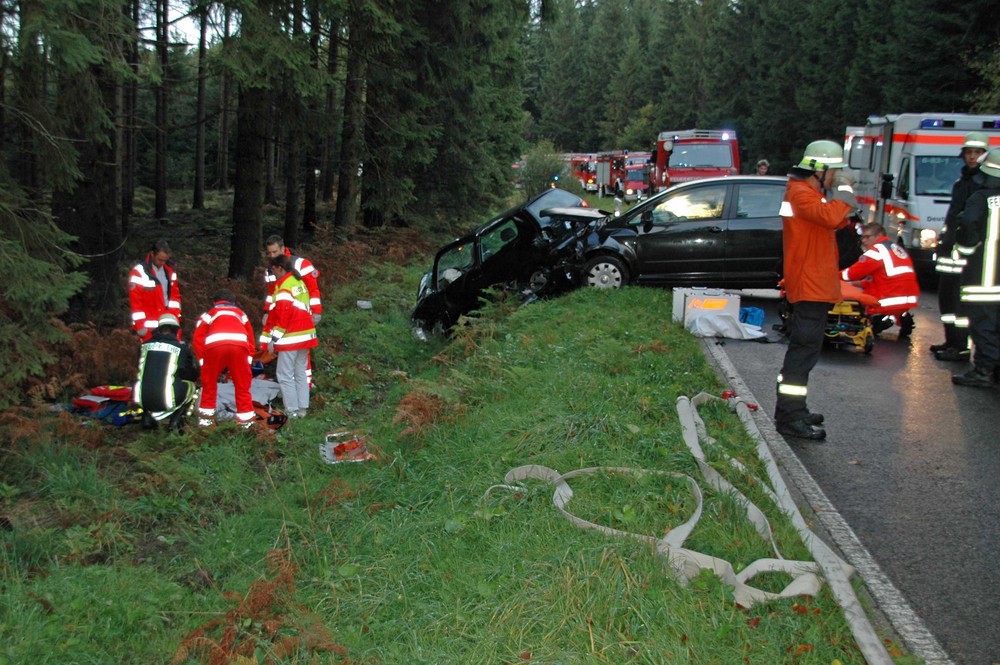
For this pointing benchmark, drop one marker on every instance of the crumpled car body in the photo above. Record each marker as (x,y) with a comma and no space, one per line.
(534,249)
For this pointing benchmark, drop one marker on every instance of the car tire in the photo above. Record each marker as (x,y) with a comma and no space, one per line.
(605,272)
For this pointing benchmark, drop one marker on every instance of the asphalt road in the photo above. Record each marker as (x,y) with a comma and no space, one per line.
(912,463)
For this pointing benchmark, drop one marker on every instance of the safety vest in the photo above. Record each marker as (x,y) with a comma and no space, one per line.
(289,322)
(304,270)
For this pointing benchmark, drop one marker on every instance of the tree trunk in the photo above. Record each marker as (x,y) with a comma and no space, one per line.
(89,209)
(198,202)
(291,232)
(162,52)
(248,197)
(222,152)
(327,161)
(130,121)
(271,157)
(353,133)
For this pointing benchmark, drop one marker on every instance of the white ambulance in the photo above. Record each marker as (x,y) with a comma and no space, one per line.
(904,167)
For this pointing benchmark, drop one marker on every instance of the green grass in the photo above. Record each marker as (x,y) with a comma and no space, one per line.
(403,560)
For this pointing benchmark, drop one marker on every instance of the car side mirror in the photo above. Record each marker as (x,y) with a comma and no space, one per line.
(647,220)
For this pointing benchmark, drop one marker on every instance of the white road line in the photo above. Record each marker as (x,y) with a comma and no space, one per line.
(891,602)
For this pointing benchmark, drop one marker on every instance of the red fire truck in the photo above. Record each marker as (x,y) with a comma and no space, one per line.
(689,154)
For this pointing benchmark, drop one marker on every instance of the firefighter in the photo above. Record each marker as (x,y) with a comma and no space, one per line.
(811,276)
(223,340)
(153,290)
(290,333)
(948,263)
(886,272)
(305,271)
(977,239)
(167,371)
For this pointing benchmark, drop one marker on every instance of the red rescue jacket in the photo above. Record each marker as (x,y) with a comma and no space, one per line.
(145,296)
(886,272)
(223,325)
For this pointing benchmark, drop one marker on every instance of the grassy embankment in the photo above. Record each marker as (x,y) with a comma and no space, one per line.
(129,547)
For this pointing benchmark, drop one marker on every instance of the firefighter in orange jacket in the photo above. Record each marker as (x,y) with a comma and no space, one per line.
(886,272)
(811,277)
(290,333)
(153,290)
(223,339)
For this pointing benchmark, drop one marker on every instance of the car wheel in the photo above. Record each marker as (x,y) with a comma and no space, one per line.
(605,272)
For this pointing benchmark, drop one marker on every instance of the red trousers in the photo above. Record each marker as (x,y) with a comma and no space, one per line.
(237,360)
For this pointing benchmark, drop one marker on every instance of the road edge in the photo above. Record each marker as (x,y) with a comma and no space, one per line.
(888,600)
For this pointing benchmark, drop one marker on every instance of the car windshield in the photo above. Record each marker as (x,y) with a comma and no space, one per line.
(716,155)
(553,198)
(936,174)
(454,261)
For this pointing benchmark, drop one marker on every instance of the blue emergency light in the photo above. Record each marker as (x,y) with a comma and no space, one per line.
(929,123)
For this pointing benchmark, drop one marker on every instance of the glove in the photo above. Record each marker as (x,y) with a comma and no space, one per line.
(316,318)
(263,320)
(141,332)
(270,347)
(843,190)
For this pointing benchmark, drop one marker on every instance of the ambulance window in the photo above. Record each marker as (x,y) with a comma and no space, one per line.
(935,175)
(903,185)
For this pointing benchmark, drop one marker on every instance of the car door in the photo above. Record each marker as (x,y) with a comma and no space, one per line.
(753,242)
(682,238)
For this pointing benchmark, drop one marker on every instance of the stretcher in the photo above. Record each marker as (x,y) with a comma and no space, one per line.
(849,321)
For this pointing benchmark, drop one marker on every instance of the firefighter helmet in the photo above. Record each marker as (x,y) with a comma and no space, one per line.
(975,140)
(822,155)
(168,320)
(991,164)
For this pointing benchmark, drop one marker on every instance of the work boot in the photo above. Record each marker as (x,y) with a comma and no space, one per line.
(814,419)
(148,421)
(906,324)
(951,354)
(177,421)
(881,324)
(800,429)
(940,347)
(975,378)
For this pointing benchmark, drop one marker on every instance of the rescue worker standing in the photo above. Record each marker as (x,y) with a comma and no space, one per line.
(167,371)
(305,271)
(977,239)
(223,339)
(153,290)
(290,333)
(886,272)
(811,277)
(948,263)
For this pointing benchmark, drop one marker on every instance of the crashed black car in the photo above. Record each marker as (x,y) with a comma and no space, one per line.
(720,232)
(534,250)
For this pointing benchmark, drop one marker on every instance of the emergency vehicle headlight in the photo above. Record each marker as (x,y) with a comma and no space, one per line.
(928,238)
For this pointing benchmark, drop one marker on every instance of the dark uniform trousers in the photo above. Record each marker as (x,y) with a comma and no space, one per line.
(805,343)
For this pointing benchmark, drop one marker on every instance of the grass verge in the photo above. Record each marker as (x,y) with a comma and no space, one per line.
(229,547)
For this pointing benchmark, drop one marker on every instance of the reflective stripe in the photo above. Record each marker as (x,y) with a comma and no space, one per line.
(138,316)
(793,391)
(246,416)
(226,337)
(208,413)
(895,301)
(786,209)
(948,319)
(961,322)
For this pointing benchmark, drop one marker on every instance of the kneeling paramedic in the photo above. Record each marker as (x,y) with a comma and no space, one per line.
(223,340)
(167,371)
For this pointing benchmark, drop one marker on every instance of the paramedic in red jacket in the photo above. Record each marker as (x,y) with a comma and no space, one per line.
(290,333)
(223,339)
(153,290)
(885,271)
(811,276)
